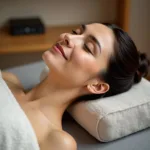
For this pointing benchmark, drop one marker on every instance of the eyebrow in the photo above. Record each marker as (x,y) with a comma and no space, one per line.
(84,28)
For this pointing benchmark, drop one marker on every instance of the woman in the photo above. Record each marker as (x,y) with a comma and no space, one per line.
(94,60)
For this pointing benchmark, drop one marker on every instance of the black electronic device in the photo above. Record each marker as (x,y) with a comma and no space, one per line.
(22,26)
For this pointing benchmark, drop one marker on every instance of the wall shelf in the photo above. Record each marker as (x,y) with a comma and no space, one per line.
(31,43)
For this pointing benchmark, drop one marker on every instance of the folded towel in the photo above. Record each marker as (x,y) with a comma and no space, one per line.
(16,132)
(114,117)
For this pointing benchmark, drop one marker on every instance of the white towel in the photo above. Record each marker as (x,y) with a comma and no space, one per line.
(16,132)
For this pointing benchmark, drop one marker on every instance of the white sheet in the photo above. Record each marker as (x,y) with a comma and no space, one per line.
(16,132)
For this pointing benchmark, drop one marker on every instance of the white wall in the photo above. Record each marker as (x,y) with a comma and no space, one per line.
(58,12)
(139,26)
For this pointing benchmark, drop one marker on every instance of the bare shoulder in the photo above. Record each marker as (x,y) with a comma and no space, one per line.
(11,79)
(60,140)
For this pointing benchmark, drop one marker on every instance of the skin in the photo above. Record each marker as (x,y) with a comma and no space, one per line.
(67,80)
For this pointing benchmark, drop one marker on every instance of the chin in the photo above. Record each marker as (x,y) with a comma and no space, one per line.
(51,61)
(44,56)
(47,58)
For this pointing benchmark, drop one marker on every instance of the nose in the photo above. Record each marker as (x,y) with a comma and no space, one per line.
(68,40)
(71,40)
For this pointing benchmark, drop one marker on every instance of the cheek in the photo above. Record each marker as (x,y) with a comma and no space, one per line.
(85,63)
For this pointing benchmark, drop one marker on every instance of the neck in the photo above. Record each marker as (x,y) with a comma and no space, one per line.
(52,100)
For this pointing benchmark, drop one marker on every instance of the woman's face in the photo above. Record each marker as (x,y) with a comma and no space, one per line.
(78,57)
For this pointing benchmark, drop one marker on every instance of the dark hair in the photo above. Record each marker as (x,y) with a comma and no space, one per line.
(126,66)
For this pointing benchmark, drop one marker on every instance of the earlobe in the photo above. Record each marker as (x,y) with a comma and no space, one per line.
(99,88)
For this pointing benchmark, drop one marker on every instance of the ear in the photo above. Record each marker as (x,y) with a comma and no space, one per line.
(98,88)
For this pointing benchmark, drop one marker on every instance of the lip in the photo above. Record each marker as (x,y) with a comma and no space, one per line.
(59,49)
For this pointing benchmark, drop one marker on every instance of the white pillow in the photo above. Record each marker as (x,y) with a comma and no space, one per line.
(117,116)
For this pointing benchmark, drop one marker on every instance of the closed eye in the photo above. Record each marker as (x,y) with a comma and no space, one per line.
(87,48)
(74,32)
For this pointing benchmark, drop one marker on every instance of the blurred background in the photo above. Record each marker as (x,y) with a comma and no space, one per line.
(63,15)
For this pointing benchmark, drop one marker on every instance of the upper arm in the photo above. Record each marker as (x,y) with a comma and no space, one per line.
(60,140)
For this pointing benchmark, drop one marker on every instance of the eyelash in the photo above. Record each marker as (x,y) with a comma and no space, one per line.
(84,46)
(74,32)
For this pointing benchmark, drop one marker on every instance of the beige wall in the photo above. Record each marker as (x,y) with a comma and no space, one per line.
(139,27)
(56,12)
